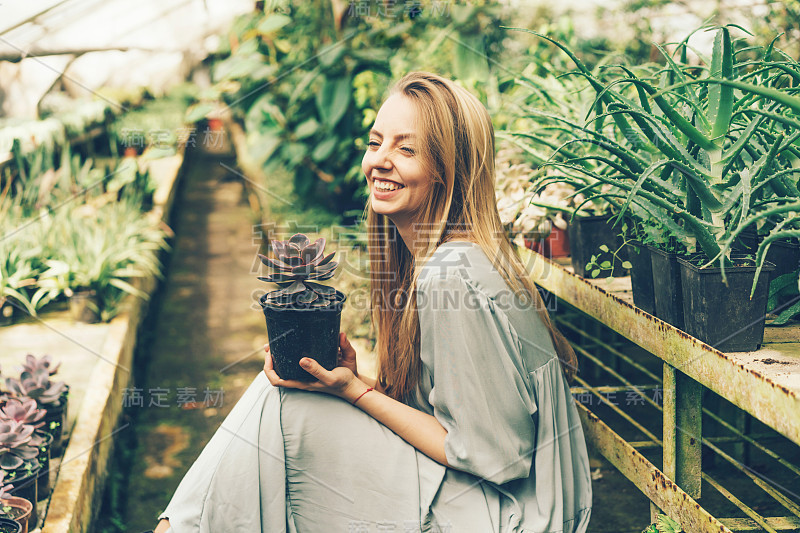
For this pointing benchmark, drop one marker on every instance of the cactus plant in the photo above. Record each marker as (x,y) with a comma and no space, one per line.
(297,262)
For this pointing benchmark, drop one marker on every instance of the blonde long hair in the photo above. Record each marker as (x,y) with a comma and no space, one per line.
(455,141)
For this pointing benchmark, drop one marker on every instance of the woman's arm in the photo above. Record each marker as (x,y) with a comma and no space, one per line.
(419,429)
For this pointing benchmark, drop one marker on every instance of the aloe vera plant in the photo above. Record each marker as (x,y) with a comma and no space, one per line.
(707,151)
(297,262)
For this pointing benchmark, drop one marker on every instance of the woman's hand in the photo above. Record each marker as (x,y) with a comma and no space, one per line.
(342,381)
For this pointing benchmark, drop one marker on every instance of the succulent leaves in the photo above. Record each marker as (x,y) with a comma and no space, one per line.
(298,263)
(16,448)
(37,386)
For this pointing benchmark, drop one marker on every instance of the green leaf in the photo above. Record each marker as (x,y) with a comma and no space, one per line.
(595,273)
(786,314)
(324,149)
(198,112)
(627,264)
(604,248)
(333,100)
(306,128)
(720,97)
(273,23)
(469,61)
(605,264)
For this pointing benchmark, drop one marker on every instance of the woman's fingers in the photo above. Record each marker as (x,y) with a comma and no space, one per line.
(314,368)
(348,352)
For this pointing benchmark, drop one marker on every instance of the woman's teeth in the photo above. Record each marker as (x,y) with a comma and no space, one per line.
(386,186)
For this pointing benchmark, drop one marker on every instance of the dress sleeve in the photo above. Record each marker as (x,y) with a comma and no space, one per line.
(481,391)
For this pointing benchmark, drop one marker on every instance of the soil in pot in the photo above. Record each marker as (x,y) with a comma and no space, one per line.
(10,526)
(297,333)
(641,276)
(586,235)
(24,483)
(667,292)
(724,316)
(20,512)
(83,306)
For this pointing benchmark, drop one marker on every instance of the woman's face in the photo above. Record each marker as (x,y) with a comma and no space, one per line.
(392,162)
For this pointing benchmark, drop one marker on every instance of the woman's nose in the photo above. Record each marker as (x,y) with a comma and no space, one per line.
(379,158)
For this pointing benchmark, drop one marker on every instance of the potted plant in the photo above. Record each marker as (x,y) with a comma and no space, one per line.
(19,460)
(303,317)
(709,163)
(14,511)
(26,411)
(52,396)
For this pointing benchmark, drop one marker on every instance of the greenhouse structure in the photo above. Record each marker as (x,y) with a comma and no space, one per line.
(631,168)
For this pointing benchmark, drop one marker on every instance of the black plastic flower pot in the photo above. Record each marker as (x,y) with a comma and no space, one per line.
(667,292)
(297,333)
(785,255)
(54,420)
(9,526)
(25,486)
(43,480)
(723,315)
(586,236)
(641,276)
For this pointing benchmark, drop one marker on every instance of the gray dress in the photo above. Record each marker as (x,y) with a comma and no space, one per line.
(288,460)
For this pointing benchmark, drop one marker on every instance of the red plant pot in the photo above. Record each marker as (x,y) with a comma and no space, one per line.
(215,124)
(556,244)
(533,245)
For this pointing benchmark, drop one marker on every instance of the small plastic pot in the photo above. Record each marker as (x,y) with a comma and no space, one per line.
(724,316)
(10,526)
(43,480)
(667,292)
(641,276)
(586,235)
(21,510)
(54,420)
(83,306)
(25,488)
(297,333)
(556,244)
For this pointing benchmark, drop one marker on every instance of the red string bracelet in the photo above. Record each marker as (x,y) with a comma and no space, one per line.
(362,394)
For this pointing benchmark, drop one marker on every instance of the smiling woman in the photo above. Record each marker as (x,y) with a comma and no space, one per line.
(470,426)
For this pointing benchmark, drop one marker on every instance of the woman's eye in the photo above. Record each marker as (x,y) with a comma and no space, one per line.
(408,150)
(374,144)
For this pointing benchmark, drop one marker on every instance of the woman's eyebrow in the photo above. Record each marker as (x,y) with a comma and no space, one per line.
(401,137)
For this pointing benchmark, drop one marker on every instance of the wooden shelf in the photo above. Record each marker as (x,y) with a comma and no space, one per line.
(765,383)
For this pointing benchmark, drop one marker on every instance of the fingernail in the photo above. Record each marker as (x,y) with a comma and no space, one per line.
(304,362)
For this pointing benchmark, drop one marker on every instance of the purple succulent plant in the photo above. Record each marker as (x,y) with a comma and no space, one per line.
(4,487)
(24,410)
(37,385)
(297,262)
(46,362)
(16,448)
